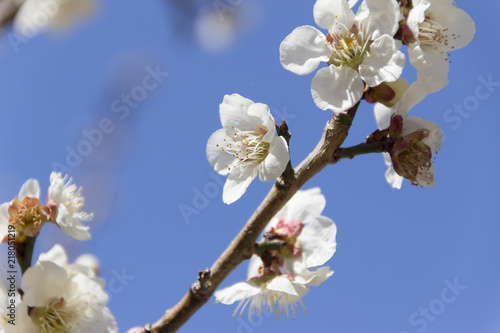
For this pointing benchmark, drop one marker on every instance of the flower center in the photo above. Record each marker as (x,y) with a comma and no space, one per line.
(348,46)
(247,147)
(53,317)
(28,215)
(433,35)
(416,161)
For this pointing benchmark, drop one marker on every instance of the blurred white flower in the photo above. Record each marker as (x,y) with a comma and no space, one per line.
(59,297)
(245,146)
(434,28)
(87,266)
(358,49)
(65,202)
(35,16)
(55,301)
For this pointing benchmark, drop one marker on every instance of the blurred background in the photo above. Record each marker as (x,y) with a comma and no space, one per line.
(124,101)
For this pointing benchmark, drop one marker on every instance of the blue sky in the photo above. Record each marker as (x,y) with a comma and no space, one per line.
(414,260)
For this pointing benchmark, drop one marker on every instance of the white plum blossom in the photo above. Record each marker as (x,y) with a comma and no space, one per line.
(245,146)
(418,141)
(281,282)
(358,48)
(35,16)
(25,213)
(310,236)
(61,299)
(65,202)
(434,28)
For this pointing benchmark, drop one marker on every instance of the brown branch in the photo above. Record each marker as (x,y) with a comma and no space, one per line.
(241,248)
(366,148)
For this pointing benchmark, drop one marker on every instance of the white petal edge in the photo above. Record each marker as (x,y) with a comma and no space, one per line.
(276,161)
(318,241)
(237,184)
(219,159)
(385,63)
(29,189)
(336,89)
(331,12)
(391,176)
(263,120)
(233,111)
(303,49)
(236,292)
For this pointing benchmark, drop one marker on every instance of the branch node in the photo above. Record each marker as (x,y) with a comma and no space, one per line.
(203,284)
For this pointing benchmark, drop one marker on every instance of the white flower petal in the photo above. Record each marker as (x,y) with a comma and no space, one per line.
(415,93)
(284,285)
(304,206)
(236,292)
(318,241)
(29,189)
(303,50)
(71,225)
(352,3)
(57,255)
(253,266)
(218,158)
(333,12)
(382,115)
(4,222)
(460,27)
(380,17)
(391,176)
(385,63)
(237,183)
(417,16)
(263,120)
(435,138)
(432,68)
(314,278)
(336,89)
(51,276)
(276,161)
(422,180)
(233,112)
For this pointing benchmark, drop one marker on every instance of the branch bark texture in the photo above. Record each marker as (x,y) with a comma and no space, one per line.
(241,248)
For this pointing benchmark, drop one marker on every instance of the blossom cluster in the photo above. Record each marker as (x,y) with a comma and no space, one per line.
(54,296)
(63,207)
(364,61)
(295,242)
(59,297)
